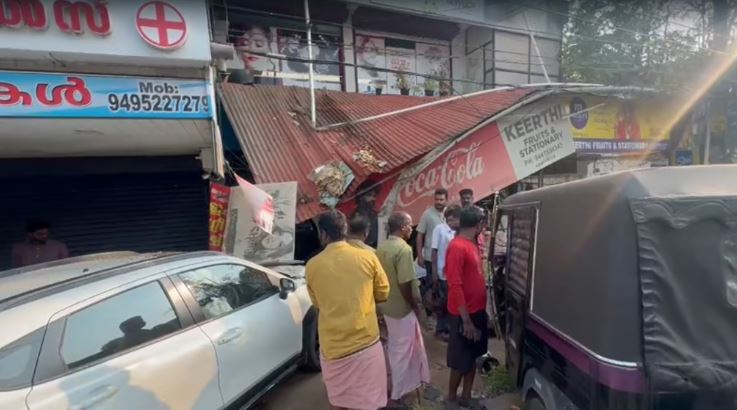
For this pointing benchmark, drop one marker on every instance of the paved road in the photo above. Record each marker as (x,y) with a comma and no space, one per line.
(304,391)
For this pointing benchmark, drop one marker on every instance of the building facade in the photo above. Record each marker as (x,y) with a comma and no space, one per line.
(106,123)
(392,46)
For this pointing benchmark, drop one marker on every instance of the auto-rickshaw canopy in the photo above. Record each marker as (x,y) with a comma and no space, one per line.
(641,267)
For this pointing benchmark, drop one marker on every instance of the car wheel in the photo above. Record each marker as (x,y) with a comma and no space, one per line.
(311,346)
(534,403)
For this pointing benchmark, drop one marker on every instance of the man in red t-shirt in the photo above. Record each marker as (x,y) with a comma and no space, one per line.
(466,305)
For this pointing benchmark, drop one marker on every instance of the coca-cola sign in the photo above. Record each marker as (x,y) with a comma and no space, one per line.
(478,161)
(488,159)
(460,166)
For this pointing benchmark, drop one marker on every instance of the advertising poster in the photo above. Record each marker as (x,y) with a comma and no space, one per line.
(432,60)
(293,45)
(245,239)
(402,63)
(489,159)
(371,60)
(252,44)
(219,199)
(613,125)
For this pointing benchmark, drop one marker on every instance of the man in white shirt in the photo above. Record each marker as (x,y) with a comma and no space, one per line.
(441,237)
(432,217)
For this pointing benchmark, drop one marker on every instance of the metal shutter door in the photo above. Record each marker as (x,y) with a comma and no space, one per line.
(137,212)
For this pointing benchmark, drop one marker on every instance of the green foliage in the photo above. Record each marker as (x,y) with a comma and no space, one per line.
(499,382)
(658,44)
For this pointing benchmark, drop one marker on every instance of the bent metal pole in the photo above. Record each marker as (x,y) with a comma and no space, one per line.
(310,65)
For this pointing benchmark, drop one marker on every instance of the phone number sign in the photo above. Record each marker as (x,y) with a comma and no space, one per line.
(41,95)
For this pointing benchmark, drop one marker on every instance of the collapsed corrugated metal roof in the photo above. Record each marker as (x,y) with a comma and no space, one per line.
(273,126)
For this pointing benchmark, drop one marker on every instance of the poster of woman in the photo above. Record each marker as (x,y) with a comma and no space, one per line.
(371,61)
(627,127)
(253,44)
(325,50)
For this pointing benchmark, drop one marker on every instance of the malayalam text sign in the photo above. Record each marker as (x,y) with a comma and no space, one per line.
(172,33)
(45,95)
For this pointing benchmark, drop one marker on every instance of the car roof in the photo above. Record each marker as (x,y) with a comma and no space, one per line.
(16,283)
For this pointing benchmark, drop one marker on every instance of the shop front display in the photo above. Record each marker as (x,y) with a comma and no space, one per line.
(108,161)
(111,159)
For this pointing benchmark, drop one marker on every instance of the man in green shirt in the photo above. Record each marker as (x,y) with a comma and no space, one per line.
(405,347)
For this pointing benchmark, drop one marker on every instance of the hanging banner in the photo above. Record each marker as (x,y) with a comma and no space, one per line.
(488,159)
(219,198)
(91,96)
(245,239)
(258,204)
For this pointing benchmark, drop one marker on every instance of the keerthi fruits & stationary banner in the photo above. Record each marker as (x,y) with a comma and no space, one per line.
(615,125)
(487,159)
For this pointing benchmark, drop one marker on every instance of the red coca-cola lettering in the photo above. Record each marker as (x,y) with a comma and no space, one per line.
(460,166)
(11,95)
(68,17)
(75,94)
(15,13)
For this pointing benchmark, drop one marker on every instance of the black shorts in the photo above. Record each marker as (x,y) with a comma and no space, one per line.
(462,352)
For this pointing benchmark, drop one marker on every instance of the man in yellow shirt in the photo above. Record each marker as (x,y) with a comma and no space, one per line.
(345,283)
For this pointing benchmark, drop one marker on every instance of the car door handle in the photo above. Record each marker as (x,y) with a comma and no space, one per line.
(230,335)
(98,396)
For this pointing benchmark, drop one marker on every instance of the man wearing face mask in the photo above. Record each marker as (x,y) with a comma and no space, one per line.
(345,283)
(38,248)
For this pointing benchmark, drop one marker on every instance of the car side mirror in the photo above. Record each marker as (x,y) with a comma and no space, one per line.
(286,286)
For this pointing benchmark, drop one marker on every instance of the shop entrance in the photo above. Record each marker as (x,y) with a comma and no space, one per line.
(142,204)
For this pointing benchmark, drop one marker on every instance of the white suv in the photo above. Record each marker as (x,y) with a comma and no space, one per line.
(150,331)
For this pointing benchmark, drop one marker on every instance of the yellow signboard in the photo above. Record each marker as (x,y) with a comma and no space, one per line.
(610,124)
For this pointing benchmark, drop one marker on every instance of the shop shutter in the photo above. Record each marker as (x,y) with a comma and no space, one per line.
(137,212)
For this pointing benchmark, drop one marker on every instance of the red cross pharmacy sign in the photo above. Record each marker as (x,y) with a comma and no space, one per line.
(161,25)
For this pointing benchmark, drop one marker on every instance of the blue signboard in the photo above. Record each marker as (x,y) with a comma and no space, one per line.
(44,95)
